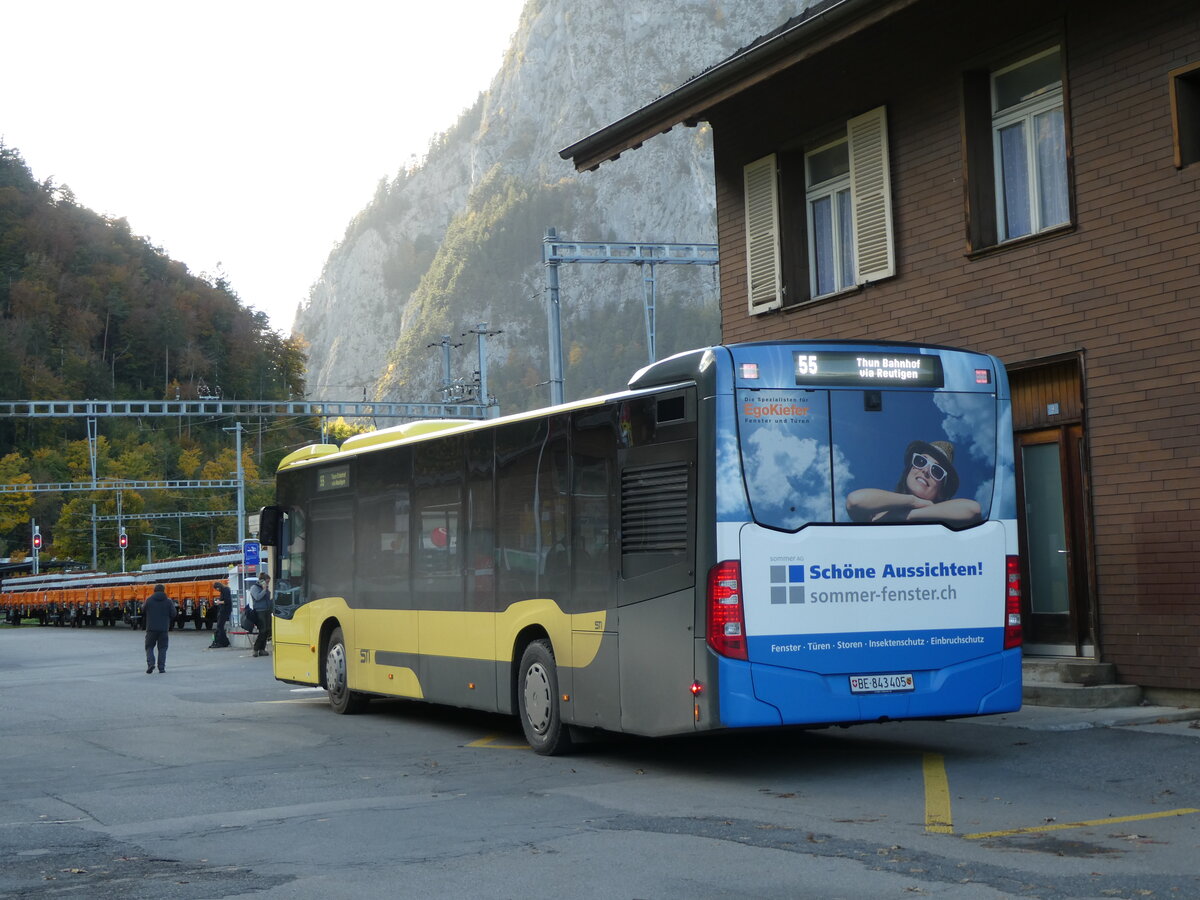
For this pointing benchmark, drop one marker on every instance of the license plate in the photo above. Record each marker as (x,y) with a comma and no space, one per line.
(880,684)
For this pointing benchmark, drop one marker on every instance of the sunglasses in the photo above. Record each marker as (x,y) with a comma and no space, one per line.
(921,461)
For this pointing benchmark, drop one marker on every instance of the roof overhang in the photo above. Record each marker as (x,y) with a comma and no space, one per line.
(817,29)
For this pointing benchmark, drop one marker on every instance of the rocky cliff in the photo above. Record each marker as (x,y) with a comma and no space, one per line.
(456,240)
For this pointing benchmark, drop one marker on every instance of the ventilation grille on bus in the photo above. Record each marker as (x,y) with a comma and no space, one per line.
(654,508)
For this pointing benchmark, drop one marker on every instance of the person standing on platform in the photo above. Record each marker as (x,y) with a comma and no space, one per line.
(159,613)
(223,603)
(260,600)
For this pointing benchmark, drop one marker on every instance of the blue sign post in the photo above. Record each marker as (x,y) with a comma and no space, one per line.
(251,553)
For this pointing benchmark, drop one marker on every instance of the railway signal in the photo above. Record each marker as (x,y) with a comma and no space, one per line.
(37,540)
(123,540)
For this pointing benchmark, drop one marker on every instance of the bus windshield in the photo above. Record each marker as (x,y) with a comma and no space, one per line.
(870,456)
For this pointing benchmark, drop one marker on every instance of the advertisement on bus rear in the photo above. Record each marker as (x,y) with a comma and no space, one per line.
(894,598)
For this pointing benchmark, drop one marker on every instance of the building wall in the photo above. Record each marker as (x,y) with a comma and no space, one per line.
(1121,288)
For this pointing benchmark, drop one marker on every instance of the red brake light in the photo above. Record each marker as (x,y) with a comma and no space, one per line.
(1012,602)
(726,621)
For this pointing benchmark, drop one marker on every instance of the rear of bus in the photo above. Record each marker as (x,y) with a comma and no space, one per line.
(866,535)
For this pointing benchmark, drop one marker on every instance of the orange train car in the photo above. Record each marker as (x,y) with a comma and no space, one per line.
(89,599)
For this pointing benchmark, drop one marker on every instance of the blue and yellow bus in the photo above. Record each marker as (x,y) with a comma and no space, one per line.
(751,535)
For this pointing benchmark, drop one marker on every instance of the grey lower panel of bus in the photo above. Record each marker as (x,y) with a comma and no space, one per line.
(453,681)
(399,660)
(657,664)
(459,682)
(595,701)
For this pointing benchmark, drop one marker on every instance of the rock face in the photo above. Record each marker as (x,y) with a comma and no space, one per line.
(456,240)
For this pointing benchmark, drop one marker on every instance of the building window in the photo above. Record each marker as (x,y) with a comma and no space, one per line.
(830,222)
(820,222)
(1016,150)
(1185,114)
(1029,146)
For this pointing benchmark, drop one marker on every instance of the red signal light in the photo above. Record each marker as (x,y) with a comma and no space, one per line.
(123,540)
(726,619)
(1013,635)
(37,541)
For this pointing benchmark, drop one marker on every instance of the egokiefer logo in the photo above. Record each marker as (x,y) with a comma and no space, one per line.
(782,410)
(787,584)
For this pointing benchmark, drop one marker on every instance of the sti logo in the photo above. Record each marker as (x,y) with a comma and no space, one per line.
(787,584)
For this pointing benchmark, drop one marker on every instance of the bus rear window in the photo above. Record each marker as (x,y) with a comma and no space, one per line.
(867,456)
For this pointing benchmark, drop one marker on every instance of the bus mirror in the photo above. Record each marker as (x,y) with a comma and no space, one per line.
(270,525)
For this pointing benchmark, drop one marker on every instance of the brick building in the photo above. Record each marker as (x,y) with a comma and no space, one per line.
(1018,178)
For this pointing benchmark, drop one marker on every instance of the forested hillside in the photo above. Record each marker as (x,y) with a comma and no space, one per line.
(90,310)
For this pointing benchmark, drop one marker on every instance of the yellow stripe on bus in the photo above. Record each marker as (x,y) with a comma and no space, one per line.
(454,634)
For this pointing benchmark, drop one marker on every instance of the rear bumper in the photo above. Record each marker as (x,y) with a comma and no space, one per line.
(756,695)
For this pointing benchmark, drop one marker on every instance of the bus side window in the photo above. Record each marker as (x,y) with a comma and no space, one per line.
(480,559)
(554,515)
(437,569)
(593,476)
(383,542)
(532,512)
(330,546)
(290,583)
(517,448)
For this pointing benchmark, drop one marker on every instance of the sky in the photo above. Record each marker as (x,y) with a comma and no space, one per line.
(241,137)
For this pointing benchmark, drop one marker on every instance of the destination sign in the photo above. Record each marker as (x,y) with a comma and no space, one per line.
(333,478)
(872,369)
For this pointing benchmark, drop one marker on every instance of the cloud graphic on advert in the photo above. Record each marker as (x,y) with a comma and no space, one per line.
(788,478)
(731,493)
(983,496)
(969,424)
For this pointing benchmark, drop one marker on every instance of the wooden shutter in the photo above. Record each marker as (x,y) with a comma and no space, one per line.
(979,177)
(871,196)
(763,280)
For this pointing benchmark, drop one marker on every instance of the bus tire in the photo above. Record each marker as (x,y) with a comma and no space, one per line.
(537,700)
(342,700)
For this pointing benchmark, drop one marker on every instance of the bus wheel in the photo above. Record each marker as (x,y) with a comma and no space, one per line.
(343,700)
(537,696)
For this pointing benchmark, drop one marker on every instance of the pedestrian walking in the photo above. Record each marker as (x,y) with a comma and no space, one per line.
(223,603)
(159,614)
(260,601)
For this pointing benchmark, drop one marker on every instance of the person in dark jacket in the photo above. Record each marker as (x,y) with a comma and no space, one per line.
(159,613)
(223,603)
(260,598)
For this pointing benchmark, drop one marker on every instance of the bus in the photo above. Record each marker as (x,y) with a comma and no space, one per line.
(751,535)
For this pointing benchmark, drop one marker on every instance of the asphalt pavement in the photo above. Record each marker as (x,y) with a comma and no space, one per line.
(1179,720)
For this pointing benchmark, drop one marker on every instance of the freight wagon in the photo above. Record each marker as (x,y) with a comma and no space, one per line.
(87,599)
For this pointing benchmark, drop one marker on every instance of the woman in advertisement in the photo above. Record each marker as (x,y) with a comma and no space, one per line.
(925,492)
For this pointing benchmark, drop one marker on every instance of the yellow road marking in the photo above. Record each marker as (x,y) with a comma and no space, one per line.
(937,795)
(1091,823)
(490,743)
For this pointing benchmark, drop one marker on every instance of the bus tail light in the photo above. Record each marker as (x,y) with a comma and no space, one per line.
(726,620)
(1012,602)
